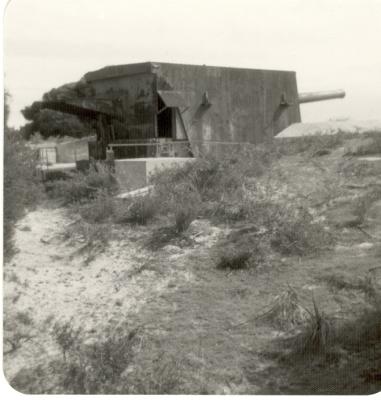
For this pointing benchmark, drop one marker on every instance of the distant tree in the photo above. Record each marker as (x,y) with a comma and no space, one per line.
(55,123)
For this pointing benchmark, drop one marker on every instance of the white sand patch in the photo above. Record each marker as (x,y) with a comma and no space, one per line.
(48,283)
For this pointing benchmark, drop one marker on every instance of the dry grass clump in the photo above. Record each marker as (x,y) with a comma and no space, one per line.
(317,335)
(93,238)
(286,311)
(93,367)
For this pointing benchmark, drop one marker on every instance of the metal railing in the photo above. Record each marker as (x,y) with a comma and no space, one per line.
(158,148)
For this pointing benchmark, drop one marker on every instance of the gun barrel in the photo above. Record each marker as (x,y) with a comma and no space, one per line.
(320,96)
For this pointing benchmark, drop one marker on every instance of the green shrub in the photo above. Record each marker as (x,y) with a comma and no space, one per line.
(93,237)
(234,259)
(368,143)
(183,217)
(359,169)
(294,232)
(241,249)
(99,209)
(363,203)
(83,185)
(212,178)
(187,205)
(22,188)
(311,145)
(92,368)
(139,210)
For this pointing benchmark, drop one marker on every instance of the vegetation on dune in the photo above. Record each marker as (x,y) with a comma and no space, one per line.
(271,223)
(80,187)
(232,189)
(22,189)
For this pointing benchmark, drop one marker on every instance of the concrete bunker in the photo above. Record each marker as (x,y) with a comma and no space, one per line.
(176,111)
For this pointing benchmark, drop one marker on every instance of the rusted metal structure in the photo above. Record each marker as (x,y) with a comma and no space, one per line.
(176,110)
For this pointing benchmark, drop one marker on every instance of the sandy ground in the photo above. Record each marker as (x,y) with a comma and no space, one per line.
(185,307)
(50,282)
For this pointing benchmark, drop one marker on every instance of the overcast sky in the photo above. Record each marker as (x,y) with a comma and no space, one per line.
(331,44)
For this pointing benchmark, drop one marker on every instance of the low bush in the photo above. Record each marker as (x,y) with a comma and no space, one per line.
(294,231)
(99,209)
(363,203)
(95,367)
(83,186)
(311,145)
(368,143)
(234,259)
(241,250)
(212,178)
(94,238)
(359,169)
(22,189)
(139,210)
(186,207)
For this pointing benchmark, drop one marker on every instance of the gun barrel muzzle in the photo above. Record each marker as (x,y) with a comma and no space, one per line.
(320,96)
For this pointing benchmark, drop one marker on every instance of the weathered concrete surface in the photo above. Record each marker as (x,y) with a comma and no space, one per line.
(135,173)
(229,105)
(244,103)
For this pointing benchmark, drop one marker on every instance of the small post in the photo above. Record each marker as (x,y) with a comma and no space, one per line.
(110,158)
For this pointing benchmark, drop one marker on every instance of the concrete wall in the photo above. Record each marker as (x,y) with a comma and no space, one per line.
(131,174)
(245,103)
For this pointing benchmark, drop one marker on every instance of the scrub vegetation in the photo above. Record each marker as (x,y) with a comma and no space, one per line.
(256,272)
